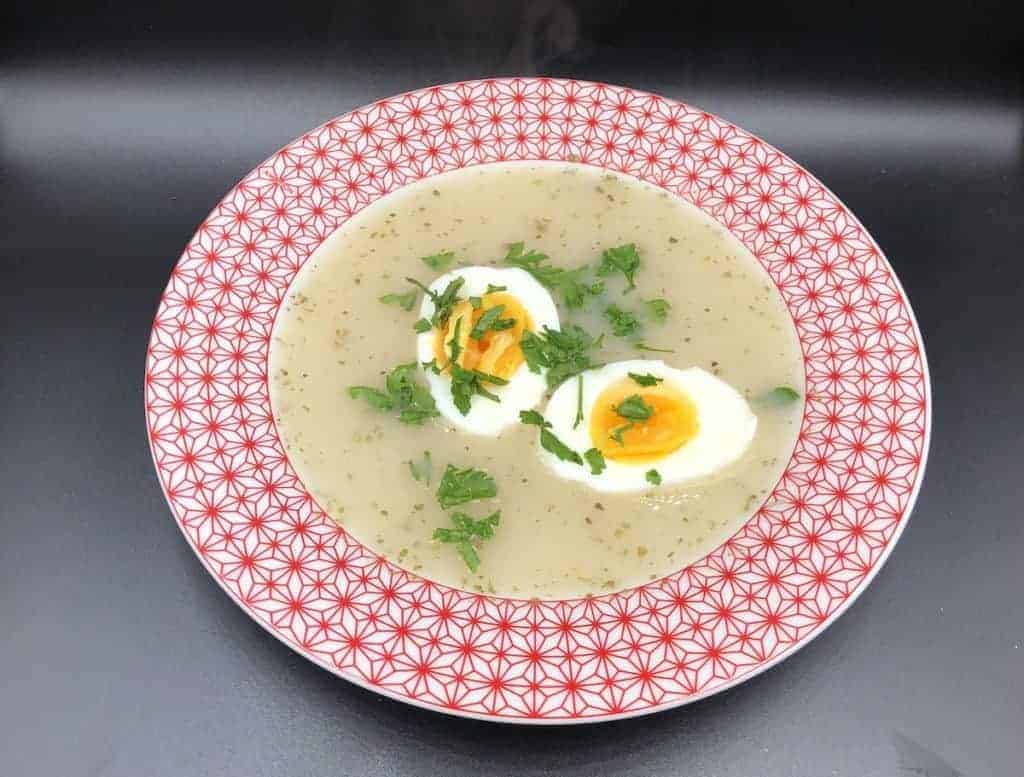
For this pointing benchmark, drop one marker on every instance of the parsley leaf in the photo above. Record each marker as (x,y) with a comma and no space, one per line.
(624,259)
(595,459)
(579,401)
(783,395)
(548,441)
(404,301)
(563,353)
(624,323)
(443,302)
(552,444)
(402,393)
(469,383)
(439,261)
(491,319)
(421,326)
(459,486)
(376,399)
(573,285)
(633,408)
(645,380)
(423,469)
(658,309)
(653,477)
(466,531)
(645,347)
(533,418)
(618,431)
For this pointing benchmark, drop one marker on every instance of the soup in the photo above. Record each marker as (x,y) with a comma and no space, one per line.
(501,458)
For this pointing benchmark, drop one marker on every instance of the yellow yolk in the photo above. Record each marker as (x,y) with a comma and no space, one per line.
(497,352)
(672,424)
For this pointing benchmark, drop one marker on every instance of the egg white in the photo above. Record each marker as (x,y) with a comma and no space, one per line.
(524,389)
(726,427)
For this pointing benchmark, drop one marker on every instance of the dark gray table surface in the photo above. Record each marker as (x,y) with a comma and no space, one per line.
(119,655)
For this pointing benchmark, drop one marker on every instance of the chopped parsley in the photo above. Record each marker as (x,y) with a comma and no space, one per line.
(421,326)
(548,441)
(653,477)
(454,345)
(633,408)
(422,470)
(783,395)
(491,288)
(595,459)
(575,286)
(624,323)
(562,353)
(459,486)
(645,380)
(443,302)
(645,347)
(476,302)
(491,319)
(469,383)
(439,261)
(658,309)
(579,401)
(618,431)
(466,534)
(624,259)
(404,301)
(402,393)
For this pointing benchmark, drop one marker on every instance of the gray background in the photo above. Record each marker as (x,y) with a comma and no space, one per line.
(121,128)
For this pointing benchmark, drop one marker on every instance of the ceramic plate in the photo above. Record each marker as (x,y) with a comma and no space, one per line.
(800,560)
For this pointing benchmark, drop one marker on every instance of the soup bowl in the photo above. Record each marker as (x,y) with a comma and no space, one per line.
(804,555)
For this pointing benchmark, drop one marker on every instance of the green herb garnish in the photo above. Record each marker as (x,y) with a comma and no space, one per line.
(595,459)
(562,353)
(439,261)
(459,486)
(402,393)
(443,302)
(476,302)
(579,401)
(624,259)
(404,301)
(469,383)
(548,441)
(653,477)
(421,326)
(422,470)
(467,533)
(658,309)
(624,323)
(491,319)
(491,288)
(645,347)
(645,380)
(633,408)
(574,285)
(783,395)
(432,366)
(618,431)
(454,346)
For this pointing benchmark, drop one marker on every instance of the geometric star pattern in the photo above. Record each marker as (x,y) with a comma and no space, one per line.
(805,554)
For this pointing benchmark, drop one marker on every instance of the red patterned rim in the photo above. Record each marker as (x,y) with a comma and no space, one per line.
(803,557)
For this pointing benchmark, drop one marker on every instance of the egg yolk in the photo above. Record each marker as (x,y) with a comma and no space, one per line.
(672,424)
(497,352)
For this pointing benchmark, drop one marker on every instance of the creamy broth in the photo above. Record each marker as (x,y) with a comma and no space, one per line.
(556,538)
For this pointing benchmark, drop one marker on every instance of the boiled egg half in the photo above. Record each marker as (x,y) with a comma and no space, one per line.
(496,352)
(695,424)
